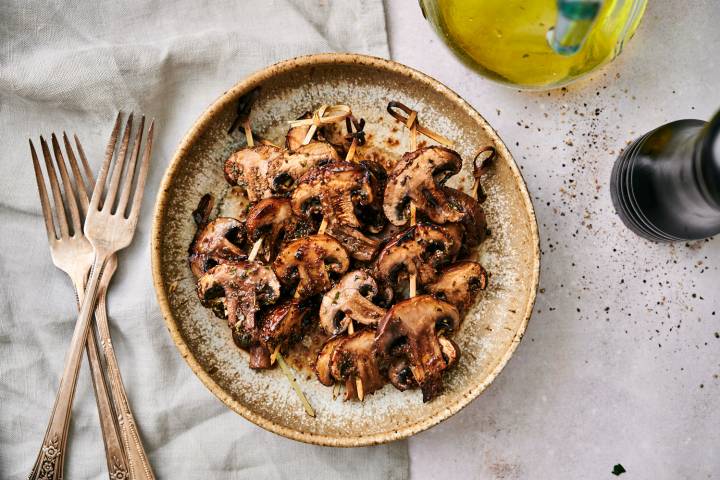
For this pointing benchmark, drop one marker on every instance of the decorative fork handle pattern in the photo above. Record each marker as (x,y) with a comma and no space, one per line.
(51,457)
(137,458)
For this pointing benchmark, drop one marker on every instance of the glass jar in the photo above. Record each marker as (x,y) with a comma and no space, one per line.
(534,44)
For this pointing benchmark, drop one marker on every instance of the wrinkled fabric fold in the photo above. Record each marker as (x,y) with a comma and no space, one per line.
(72,67)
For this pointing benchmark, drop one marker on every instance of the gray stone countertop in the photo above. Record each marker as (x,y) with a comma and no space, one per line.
(621,360)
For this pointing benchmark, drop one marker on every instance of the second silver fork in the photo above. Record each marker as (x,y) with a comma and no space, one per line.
(75,258)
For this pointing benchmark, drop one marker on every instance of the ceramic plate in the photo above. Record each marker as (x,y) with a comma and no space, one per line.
(489,333)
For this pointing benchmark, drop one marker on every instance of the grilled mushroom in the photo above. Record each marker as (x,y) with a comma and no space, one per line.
(272,219)
(421,250)
(358,245)
(309,262)
(241,289)
(215,243)
(248,168)
(410,329)
(473,220)
(418,178)
(344,359)
(322,363)
(332,191)
(400,373)
(350,299)
(330,133)
(459,284)
(283,171)
(285,323)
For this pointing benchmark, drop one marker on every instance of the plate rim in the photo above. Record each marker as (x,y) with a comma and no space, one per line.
(171,324)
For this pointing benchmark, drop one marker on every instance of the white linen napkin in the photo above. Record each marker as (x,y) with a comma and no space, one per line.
(72,67)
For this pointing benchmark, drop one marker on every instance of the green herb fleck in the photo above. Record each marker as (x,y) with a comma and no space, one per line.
(337,296)
(618,470)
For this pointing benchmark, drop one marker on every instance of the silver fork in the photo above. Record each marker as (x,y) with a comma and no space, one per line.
(108,229)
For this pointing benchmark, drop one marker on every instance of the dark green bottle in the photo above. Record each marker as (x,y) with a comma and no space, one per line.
(666,185)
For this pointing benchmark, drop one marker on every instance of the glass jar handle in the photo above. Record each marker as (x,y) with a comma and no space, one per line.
(574,20)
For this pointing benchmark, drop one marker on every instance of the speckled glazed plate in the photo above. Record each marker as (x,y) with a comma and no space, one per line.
(489,333)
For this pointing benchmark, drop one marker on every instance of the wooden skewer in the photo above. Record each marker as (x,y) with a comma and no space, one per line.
(335,391)
(291,378)
(255,249)
(360,390)
(248,133)
(412,124)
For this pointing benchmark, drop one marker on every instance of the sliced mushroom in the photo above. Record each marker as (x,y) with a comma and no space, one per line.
(400,375)
(242,289)
(215,243)
(459,284)
(332,191)
(347,358)
(283,171)
(358,245)
(249,167)
(285,323)
(322,364)
(308,263)
(473,220)
(419,250)
(272,219)
(410,329)
(418,178)
(350,299)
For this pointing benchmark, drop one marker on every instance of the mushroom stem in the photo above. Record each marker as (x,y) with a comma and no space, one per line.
(255,249)
(291,378)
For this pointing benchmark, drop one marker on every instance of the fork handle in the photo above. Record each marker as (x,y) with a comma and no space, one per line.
(115,455)
(51,457)
(137,458)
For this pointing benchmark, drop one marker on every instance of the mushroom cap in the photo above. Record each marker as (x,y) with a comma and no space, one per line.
(473,221)
(418,178)
(283,171)
(273,220)
(308,263)
(459,284)
(248,168)
(410,329)
(420,249)
(244,286)
(215,243)
(332,191)
(345,358)
(350,299)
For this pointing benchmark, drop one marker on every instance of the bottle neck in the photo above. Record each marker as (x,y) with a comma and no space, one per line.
(707,160)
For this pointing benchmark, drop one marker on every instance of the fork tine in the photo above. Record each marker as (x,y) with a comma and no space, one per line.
(83,159)
(118,167)
(70,200)
(127,183)
(44,200)
(102,176)
(82,188)
(55,186)
(142,175)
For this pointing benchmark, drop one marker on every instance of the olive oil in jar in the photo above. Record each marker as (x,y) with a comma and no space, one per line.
(508,40)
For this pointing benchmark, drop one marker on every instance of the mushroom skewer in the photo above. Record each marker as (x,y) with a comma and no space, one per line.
(412,123)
